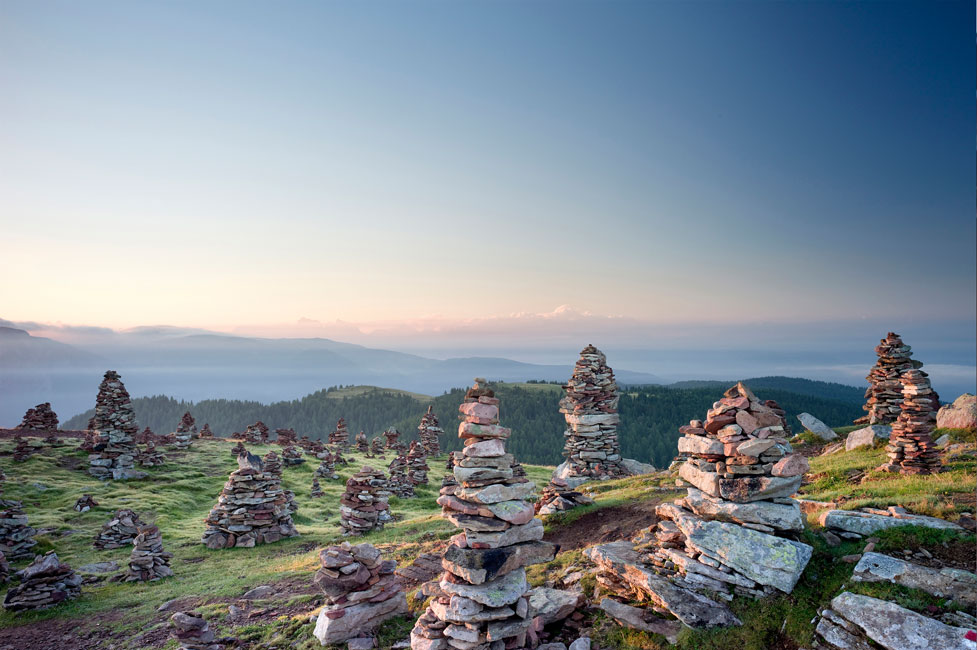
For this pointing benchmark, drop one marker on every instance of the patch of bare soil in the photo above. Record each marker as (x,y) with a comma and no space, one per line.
(57,633)
(607,524)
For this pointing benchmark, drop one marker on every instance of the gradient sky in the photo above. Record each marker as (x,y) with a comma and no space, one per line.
(229,164)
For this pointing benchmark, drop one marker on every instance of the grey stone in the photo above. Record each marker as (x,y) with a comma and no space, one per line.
(100,567)
(897,628)
(817,427)
(583,643)
(953,583)
(865,523)
(478,565)
(637,468)
(867,436)
(357,619)
(553,605)
(640,619)
(780,516)
(495,593)
(264,591)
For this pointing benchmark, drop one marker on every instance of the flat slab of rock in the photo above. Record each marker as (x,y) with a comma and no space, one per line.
(641,619)
(867,436)
(781,516)
(817,427)
(957,584)
(357,619)
(866,523)
(637,468)
(552,605)
(99,567)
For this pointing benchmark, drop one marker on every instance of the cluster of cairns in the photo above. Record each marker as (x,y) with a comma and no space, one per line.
(251,509)
(44,583)
(16,534)
(148,560)
(340,437)
(22,449)
(119,531)
(286,437)
(362,445)
(256,434)
(151,456)
(559,496)
(327,468)
(592,449)
(363,507)
(911,449)
(115,429)
(429,432)
(292,456)
(416,464)
(361,592)
(185,432)
(85,503)
(483,603)
(316,491)
(40,418)
(399,484)
(192,632)
(884,394)
(206,433)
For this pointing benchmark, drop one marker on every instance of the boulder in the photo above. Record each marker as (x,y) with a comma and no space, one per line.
(636,468)
(944,583)
(817,427)
(780,516)
(641,619)
(552,605)
(867,436)
(962,414)
(866,523)
(357,619)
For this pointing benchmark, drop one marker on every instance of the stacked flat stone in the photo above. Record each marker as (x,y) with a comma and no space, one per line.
(416,464)
(363,507)
(316,491)
(398,483)
(286,437)
(340,437)
(592,449)
(119,531)
(251,509)
(911,448)
(22,450)
(273,465)
(192,632)
(558,496)
(144,436)
(452,460)
(16,534)
(727,533)
(377,448)
(115,428)
(392,436)
(292,456)
(44,583)
(151,456)
(484,603)
(238,449)
(51,439)
(256,434)
(4,569)
(361,592)
(205,432)
(362,445)
(87,443)
(40,418)
(85,503)
(429,432)
(148,560)
(884,394)
(185,432)
(327,468)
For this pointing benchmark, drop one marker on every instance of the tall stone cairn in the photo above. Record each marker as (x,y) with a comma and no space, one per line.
(363,507)
(429,432)
(115,428)
(40,418)
(148,560)
(44,583)
(192,632)
(185,431)
(362,445)
(416,465)
(206,433)
(590,408)
(16,534)
(884,392)
(361,592)
(118,531)
(340,437)
(393,436)
(251,509)
(316,491)
(273,465)
(911,448)
(484,604)
(398,483)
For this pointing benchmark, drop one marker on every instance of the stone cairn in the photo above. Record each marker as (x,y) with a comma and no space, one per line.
(292,456)
(115,427)
(484,604)
(119,531)
(559,496)
(393,440)
(416,465)
(429,432)
(884,392)
(361,592)
(206,433)
(340,437)
(151,456)
(87,443)
(363,507)
(16,534)
(145,436)
(22,450)
(85,503)
(4,569)
(273,465)
(44,583)
(377,448)
(148,560)
(40,418)
(911,448)
(286,437)
(192,632)
(362,445)
(256,434)
(398,483)
(238,449)
(251,509)
(316,491)
(185,432)
(590,409)
(327,468)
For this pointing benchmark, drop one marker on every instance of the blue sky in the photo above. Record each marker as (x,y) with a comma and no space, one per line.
(229,164)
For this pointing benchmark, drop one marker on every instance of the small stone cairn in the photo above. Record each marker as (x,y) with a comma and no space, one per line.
(429,432)
(238,449)
(206,433)
(316,491)
(145,436)
(16,534)
(393,439)
(363,507)
(340,437)
(4,569)
(377,448)
(484,603)
(273,465)
(416,464)
(44,583)
(22,450)
(251,509)
(87,443)
(911,448)
(286,437)
(256,434)
(115,428)
(151,456)
(148,560)
(592,449)
(40,418)
(85,503)
(361,592)
(327,468)
(185,432)
(292,456)
(884,392)
(119,531)
(559,496)
(362,445)
(398,483)
(192,632)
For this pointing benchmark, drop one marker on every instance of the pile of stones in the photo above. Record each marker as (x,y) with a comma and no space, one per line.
(251,509)
(363,507)
(115,428)
(429,432)
(146,435)
(398,483)
(148,560)
(205,432)
(87,443)
(377,448)
(340,437)
(292,456)
(483,602)
(286,437)
(192,632)
(185,431)
(16,534)
(416,465)
(273,465)
(911,449)
(316,491)
(44,583)
(327,468)
(4,569)
(151,456)
(238,449)
(40,418)
(85,503)
(256,433)
(361,592)
(559,496)
(393,439)
(119,531)
(22,449)
(52,439)
(592,449)
(884,393)
(362,445)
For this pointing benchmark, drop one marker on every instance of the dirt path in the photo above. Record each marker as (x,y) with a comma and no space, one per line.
(608,524)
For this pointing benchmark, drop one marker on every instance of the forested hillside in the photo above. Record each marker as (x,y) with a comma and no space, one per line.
(811,387)
(650,415)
